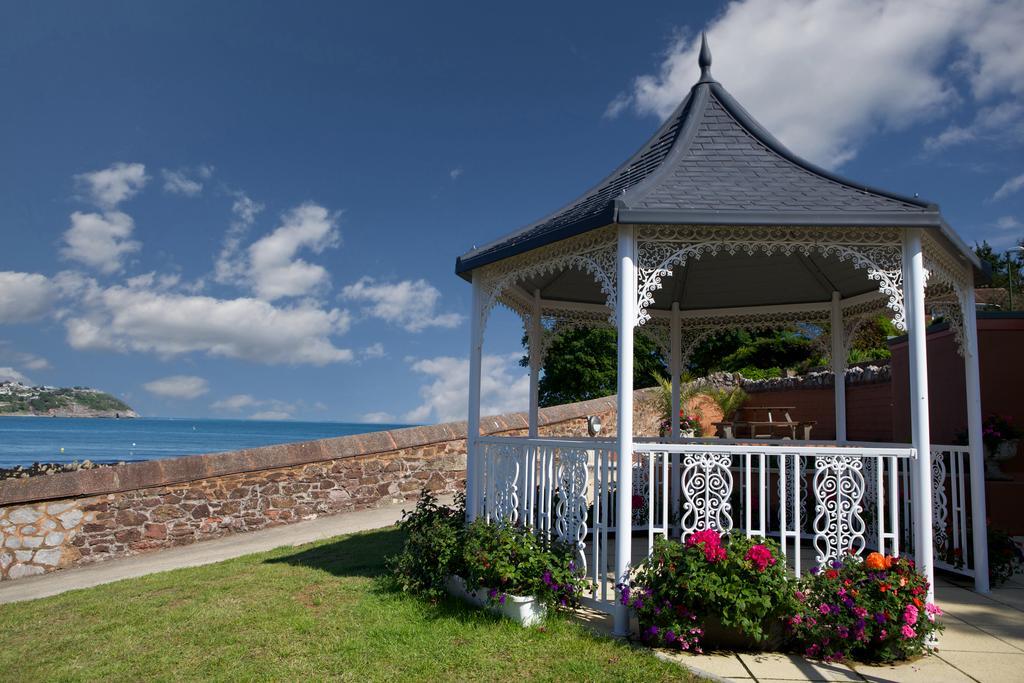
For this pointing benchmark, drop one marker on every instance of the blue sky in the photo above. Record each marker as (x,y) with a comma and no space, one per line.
(240,209)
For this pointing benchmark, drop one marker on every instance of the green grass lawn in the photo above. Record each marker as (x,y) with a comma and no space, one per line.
(320,611)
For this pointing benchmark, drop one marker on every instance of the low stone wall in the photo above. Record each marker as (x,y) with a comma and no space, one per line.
(63,520)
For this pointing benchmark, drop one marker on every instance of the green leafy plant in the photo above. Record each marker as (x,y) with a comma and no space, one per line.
(729,401)
(1005,557)
(870,610)
(750,372)
(740,583)
(510,560)
(433,547)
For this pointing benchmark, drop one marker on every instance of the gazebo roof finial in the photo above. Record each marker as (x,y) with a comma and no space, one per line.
(704,60)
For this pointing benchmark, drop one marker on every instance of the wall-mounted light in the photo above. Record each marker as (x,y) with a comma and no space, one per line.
(593,425)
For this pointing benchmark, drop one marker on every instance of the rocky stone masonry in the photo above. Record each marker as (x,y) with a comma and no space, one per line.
(63,520)
(857,374)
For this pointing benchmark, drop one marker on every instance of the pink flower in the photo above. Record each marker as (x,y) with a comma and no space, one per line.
(910,615)
(860,612)
(760,556)
(824,609)
(907,631)
(932,611)
(710,542)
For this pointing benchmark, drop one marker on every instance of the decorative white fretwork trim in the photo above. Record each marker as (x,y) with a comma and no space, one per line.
(660,248)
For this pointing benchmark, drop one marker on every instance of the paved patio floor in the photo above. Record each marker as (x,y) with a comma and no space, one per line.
(983,641)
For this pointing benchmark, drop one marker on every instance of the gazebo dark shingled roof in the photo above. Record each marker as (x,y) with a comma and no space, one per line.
(711,163)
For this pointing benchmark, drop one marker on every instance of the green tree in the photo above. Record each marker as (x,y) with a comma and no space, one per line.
(757,353)
(582,364)
(1006,272)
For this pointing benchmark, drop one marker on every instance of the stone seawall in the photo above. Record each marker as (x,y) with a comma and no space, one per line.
(63,520)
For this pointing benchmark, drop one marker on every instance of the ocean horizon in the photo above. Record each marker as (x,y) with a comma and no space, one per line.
(29,439)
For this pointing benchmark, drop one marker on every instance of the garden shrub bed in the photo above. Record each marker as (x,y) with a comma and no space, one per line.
(735,593)
(712,591)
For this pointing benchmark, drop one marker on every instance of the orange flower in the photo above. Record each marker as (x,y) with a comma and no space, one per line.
(875,561)
(889,562)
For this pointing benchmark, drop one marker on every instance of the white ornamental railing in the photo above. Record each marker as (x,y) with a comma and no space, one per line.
(848,515)
(567,490)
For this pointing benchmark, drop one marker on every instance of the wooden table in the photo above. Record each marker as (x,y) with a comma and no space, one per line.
(731,428)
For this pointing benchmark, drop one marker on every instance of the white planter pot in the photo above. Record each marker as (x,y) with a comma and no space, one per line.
(527,611)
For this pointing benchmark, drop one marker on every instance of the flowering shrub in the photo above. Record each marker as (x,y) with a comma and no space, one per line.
(737,582)
(1004,556)
(433,546)
(686,422)
(873,610)
(997,429)
(507,560)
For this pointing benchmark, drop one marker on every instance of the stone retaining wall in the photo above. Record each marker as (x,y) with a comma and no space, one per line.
(63,520)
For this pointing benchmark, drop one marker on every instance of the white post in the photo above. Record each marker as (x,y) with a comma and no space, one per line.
(839,365)
(675,367)
(535,333)
(474,475)
(626,302)
(978,507)
(917,349)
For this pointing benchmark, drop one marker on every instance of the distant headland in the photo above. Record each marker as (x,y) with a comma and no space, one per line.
(16,399)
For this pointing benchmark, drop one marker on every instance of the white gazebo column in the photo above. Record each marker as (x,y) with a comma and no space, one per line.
(917,350)
(474,475)
(626,304)
(535,333)
(675,367)
(978,507)
(838,353)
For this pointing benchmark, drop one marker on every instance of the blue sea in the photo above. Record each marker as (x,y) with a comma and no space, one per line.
(24,440)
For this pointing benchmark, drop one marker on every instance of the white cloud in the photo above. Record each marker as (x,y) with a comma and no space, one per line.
(229,267)
(1004,121)
(9,374)
(110,186)
(235,403)
(824,74)
(379,417)
(618,105)
(1011,186)
(179,182)
(273,267)
(100,241)
(996,59)
(456,172)
(504,388)
(24,296)
(169,324)
(411,304)
(375,350)
(178,386)
(1008,223)
(273,415)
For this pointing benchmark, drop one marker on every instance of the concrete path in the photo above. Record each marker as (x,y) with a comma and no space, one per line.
(197,554)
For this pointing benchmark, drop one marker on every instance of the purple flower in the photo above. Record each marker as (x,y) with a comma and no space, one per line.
(546,578)
(880,617)
(670,636)
(815,570)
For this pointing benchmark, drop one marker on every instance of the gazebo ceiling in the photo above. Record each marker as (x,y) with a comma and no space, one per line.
(712,164)
(725,281)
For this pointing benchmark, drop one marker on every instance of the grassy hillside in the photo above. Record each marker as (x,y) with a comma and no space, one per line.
(18,399)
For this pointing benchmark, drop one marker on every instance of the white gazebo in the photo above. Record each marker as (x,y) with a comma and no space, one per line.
(714,225)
